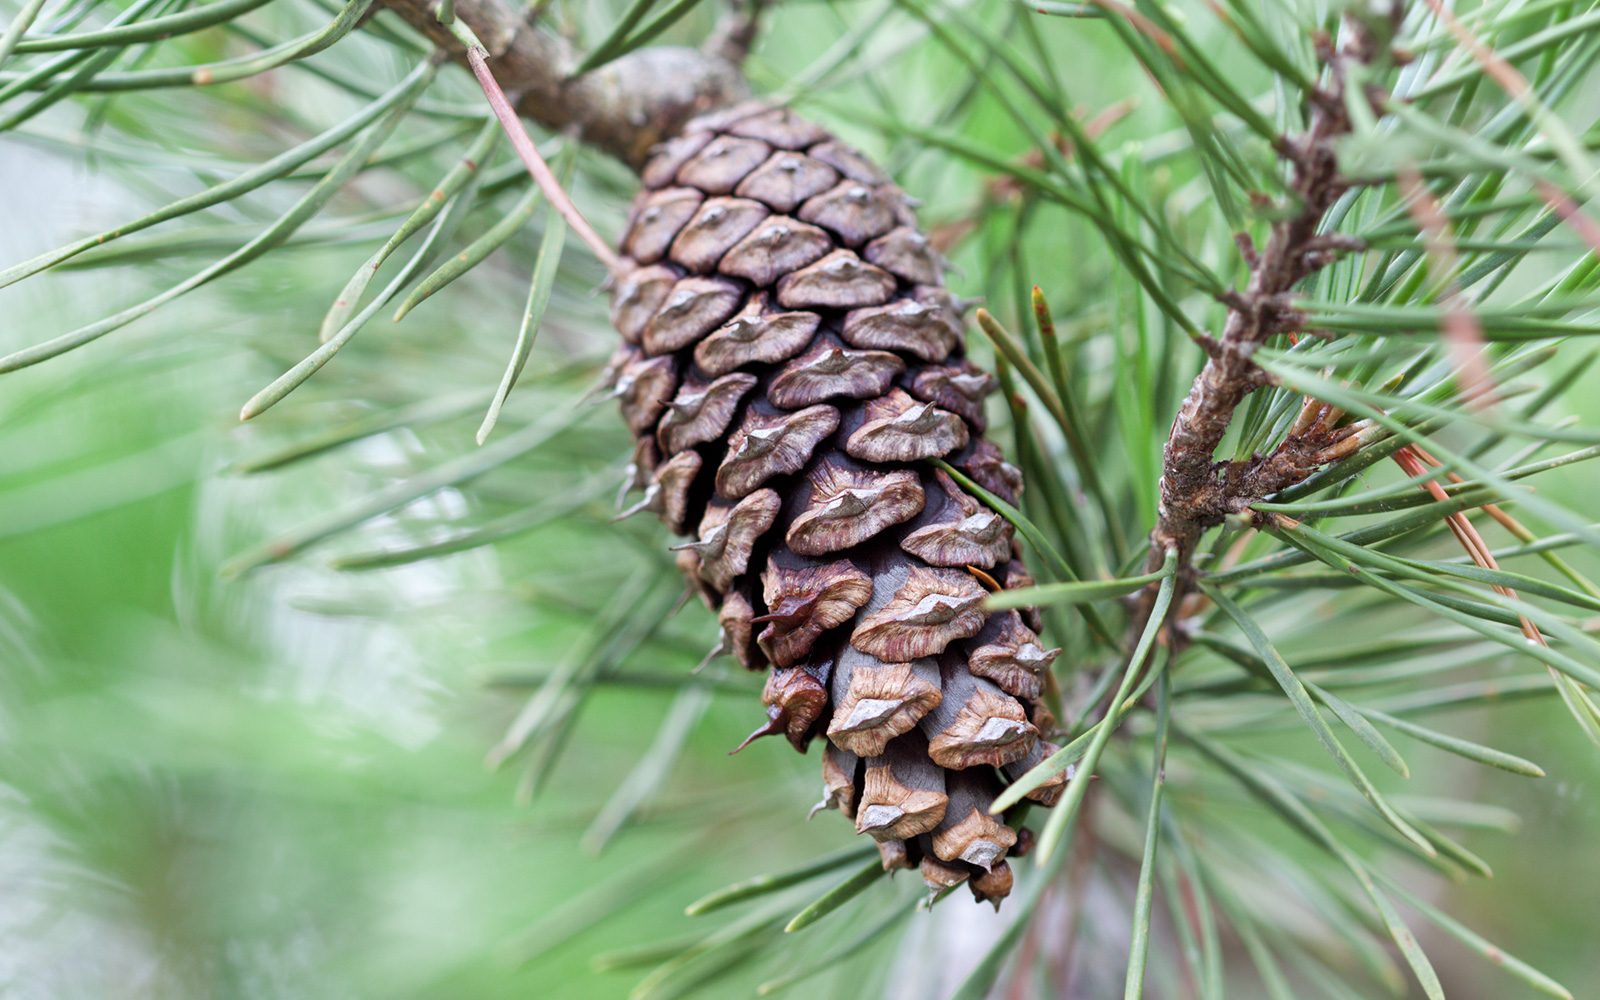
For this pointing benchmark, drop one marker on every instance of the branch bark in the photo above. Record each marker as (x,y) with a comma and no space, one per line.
(1197,491)
(623,108)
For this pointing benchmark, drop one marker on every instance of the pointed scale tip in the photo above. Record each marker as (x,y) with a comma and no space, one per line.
(712,655)
(777,722)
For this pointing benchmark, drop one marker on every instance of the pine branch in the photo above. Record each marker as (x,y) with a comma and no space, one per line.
(623,107)
(1198,492)
(737,31)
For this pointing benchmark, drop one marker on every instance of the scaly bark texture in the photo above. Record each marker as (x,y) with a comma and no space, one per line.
(791,363)
(1198,492)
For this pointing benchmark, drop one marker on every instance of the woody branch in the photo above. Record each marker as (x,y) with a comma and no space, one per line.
(1199,492)
(623,107)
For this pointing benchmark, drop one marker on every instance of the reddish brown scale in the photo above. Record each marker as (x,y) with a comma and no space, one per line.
(795,698)
(728,535)
(904,325)
(755,336)
(839,280)
(894,855)
(829,371)
(846,502)
(667,496)
(849,162)
(657,218)
(983,463)
(722,164)
(993,885)
(643,385)
(787,179)
(693,308)
(976,723)
(671,156)
(956,530)
(714,229)
(839,781)
(854,211)
(907,254)
(896,428)
(929,609)
(773,249)
(876,701)
(779,127)
(701,411)
(938,876)
(792,365)
(805,598)
(967,832)
(638,296)
(772,442)
(903,791)
(961,389)
(1011,654)
(739,630)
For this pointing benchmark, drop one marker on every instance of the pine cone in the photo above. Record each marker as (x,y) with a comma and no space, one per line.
(792,359)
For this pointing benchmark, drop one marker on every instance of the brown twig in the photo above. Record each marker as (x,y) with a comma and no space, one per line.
(622,108)
(736,31)
(1197,491)
(477,58)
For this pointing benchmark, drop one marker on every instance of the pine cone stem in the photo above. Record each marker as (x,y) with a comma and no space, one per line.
(623,108)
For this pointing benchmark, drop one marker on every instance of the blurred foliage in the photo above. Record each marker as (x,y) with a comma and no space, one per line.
(252,671)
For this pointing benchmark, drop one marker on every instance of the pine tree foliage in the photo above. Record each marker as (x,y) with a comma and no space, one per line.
(1286,307)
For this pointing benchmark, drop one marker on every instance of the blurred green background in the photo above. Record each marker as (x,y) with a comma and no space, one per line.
(273,784)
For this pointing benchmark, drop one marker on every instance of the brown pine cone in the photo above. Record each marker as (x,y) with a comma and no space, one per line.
(792,359)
